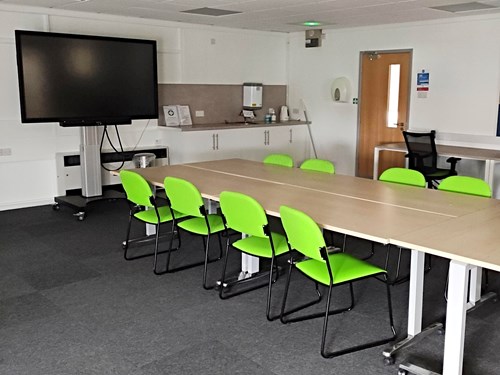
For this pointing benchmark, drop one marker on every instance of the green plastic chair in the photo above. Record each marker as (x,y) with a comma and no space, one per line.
(318,165)
(279,159)
(183,196)
(466,185)
(331,270)
(403,176)
(144,208)
(245,215)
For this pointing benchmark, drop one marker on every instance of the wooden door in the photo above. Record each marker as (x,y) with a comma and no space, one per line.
(382,117)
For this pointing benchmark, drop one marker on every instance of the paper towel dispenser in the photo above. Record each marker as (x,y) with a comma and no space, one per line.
(341,90)
(252,95)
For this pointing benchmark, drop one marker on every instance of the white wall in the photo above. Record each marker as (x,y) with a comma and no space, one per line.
(186,54)
(463,58)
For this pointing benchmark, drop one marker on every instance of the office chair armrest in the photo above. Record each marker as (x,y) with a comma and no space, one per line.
(453,162)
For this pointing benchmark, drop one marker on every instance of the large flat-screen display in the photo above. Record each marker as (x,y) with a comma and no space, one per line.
(81,80)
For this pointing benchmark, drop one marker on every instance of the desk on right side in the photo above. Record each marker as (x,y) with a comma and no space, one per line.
(489,156)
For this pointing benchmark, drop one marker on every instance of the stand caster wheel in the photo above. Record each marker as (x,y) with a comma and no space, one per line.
(388,361)
(80,216)
(124,245)
(402,372)
(441,331)
(56,207)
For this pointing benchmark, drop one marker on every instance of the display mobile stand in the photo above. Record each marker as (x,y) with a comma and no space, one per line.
(90,162)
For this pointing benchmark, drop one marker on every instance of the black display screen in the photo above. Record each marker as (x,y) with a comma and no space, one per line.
(80,80)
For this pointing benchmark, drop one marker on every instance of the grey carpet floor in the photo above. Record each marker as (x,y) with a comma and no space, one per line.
(70,304)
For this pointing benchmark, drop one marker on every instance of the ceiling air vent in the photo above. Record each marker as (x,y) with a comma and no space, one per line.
(465,7)
(210,12)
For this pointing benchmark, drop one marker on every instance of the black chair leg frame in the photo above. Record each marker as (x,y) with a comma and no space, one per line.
(205,262)
(208,260)
(324,352)
(284,314)
(273,277)
(144,239)
(330,354)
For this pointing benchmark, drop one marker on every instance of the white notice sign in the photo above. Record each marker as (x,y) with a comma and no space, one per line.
(171,115)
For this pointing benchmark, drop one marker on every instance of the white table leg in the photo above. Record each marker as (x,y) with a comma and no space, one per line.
(475,285)
(489,172)
(416,292)
(252,264)
(455,318)
(376,154)
(150,230)
(415,302)
(249,265)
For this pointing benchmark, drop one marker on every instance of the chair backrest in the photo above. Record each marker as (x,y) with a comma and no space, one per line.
(137,188)
(403,176)
(184,197)
(466,185)
(422,153)
(279,159)
(302,232)
(318,165)
(243,213)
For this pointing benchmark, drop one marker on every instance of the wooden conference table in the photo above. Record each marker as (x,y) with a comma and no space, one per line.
(381,212)
(489,156)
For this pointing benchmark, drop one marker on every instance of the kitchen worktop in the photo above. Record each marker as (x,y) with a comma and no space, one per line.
(233,125)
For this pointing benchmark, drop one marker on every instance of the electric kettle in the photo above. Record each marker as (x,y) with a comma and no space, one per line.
(284,113)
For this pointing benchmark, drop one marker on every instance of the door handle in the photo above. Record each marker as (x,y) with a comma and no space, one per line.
(400,125)
(217,141)
(213,141)
(291,136)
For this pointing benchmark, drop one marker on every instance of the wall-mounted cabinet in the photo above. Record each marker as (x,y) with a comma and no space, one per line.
(252,143)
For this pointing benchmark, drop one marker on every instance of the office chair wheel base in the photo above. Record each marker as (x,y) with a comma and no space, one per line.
(388,361)
(56,207)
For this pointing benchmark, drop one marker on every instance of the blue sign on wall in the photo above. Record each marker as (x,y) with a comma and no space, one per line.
(422,78)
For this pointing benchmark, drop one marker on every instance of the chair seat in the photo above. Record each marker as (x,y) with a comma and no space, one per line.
(149,216)
(198,225)
(261,247)
(344,268)
(439,173)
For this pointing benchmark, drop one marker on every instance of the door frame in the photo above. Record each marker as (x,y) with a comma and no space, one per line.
(360,76)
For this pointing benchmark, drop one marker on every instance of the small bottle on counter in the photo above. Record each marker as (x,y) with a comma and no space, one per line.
(272,115)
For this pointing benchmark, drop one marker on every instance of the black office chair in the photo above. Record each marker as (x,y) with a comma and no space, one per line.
(422,156)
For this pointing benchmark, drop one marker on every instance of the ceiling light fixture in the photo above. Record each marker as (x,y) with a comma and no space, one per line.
(311,23)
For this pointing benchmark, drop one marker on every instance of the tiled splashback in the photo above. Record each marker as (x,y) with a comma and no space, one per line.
(220,103)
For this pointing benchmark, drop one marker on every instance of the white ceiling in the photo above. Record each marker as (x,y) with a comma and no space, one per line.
(273,15)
